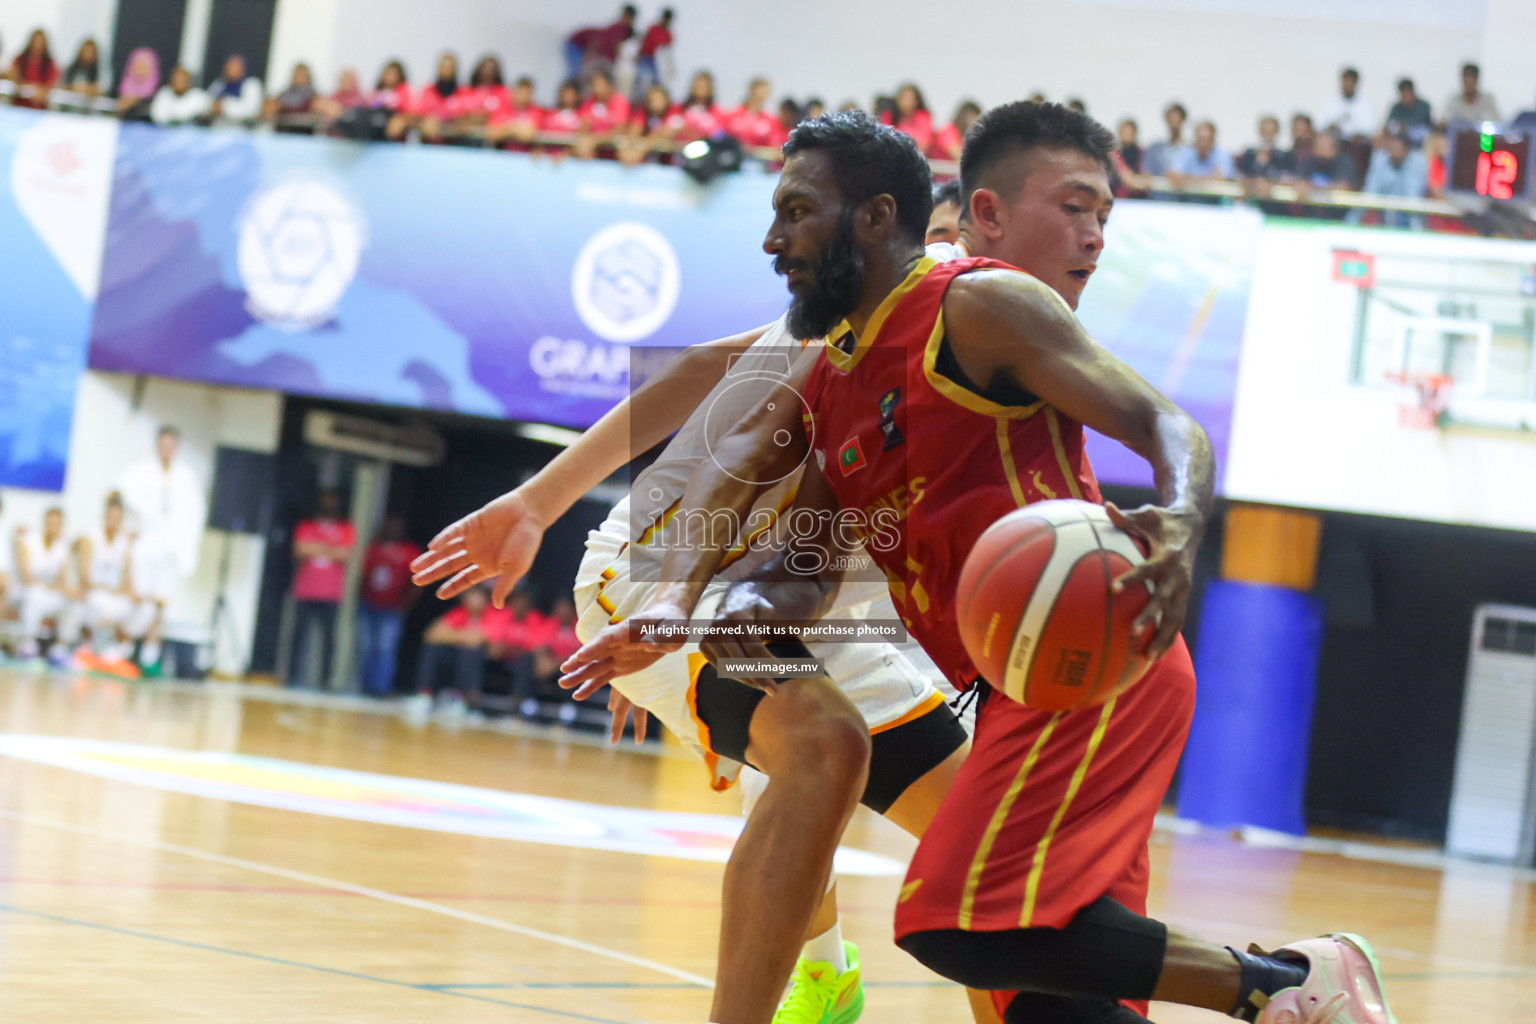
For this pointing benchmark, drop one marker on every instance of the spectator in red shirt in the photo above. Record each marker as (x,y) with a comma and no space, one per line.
(753,123)
(34,72)
(486,96)
(912,117)
(348,95)
(456,642)
(556,642)
(516,125)
(950,139)
(653,127)
(393,94)
(655,48)
(589,49)
(603,117)
(564,118)
(701,118)
(321,547)
(385,596)
(438,102)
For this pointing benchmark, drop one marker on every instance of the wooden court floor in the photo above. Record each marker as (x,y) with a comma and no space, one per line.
(125,900)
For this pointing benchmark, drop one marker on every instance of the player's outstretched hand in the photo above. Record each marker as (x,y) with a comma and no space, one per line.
(622,708)
(1172,539)
(497,542)
(613,652)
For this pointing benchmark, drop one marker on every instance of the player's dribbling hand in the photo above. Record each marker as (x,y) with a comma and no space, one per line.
(614,652)
(622,707)
(744,604)
(499,541)
(1172,538)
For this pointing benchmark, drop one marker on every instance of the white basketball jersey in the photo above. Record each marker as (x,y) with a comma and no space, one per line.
(109,559)
(46,563)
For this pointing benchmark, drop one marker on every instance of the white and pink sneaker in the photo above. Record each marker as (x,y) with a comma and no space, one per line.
(1343,985)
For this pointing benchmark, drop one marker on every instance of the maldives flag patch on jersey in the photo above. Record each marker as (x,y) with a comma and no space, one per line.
(851,456)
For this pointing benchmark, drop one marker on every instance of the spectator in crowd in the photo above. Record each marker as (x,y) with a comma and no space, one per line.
(1397,169)
(84,74)
(604,116)
(597,47)
(1303,138)
(168,509)
(951,138)
(349,95)
(752,123)
(141,80)
(47,591)
(1435,149)
(814,108)
(1329,167)
(554,642)
(790,114)
(1077,106)
(653,62)
(321,547)
(1130,145)
(35,72)
(911,116)
(1204,161)
(1471,103)
(1410,115)
(516,126)
(565,116)
(392,93)
(109,607)
(487,96)
(294,102)
(385,596)
(653,125)
(944,222)
(179,101)
(1162,157)
(702,119)
(439,102)
(1351,114)
(456,642)
(236,94)
(1128,158)
(1262,165)
(1038,97)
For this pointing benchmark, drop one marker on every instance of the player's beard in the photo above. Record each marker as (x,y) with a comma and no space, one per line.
(840,277)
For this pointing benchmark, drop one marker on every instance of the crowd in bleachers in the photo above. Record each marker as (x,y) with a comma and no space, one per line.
(618,103)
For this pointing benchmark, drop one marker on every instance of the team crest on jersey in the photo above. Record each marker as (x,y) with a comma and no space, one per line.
(888,403)
(893,435)
(851,456)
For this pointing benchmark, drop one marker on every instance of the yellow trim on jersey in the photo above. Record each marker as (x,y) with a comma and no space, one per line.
(931,704)
(1032,886)
(846,361)
(649,533)
(961,395)
(999,816)
(739,550)
(1005,449)
(1061,454)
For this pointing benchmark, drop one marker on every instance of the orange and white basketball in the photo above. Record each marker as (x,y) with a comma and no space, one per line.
(1036,610)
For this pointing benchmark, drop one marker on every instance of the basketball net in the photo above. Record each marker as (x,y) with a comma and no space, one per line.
(1425,402)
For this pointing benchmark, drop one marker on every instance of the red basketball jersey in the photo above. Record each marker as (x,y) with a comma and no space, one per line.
(896,435)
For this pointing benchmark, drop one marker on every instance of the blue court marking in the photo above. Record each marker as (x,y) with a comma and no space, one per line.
(446,990)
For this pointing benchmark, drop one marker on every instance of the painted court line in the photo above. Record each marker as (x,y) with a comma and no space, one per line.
(446,990)
(363,890)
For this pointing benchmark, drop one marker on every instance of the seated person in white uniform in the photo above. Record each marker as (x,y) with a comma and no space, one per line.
(42,566)
(112,612)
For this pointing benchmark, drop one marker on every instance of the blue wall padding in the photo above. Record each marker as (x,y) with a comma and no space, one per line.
(1246,761)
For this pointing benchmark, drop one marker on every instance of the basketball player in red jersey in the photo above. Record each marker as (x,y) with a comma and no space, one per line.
(958,392)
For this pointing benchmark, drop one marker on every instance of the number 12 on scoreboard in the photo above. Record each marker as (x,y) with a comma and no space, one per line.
(1496,173)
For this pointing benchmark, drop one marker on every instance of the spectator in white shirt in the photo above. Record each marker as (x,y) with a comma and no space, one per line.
(236,95)
(1351,113)
(179,101)
(1471,104)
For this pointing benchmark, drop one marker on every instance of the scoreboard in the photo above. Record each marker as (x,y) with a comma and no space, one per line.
(1493,163)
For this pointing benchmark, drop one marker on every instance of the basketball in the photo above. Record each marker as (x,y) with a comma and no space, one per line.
(1036,611)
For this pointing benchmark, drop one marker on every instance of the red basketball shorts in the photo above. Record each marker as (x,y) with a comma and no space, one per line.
(1052,810)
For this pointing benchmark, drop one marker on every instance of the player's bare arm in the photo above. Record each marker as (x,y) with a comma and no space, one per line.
(767,445)
(1007,327)
(499,540)
(797,585)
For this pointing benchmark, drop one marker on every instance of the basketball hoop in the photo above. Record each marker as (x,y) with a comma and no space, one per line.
(1431,392)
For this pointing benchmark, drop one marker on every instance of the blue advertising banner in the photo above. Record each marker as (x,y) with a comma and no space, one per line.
(58,169)
(442,278)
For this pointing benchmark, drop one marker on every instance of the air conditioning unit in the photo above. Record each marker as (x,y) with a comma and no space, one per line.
(1493,799)
(413,444)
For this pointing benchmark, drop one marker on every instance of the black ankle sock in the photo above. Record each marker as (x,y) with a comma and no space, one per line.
(1263,976)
